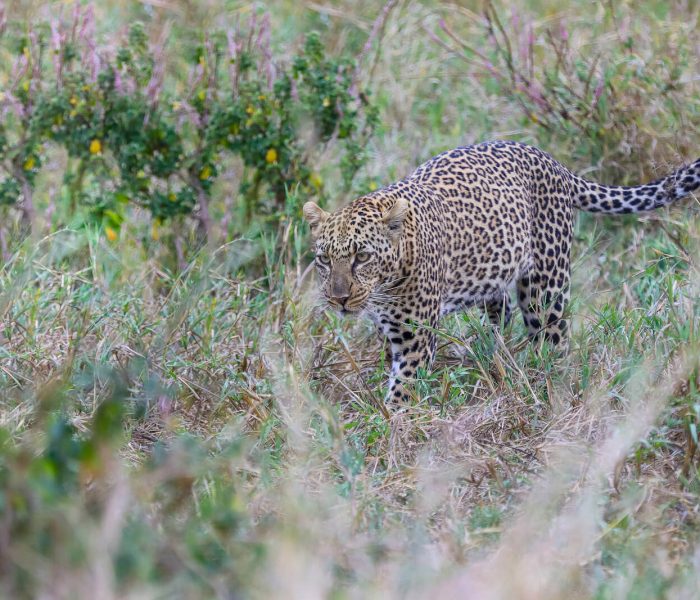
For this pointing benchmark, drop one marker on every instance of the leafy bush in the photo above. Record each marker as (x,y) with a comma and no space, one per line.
(133,138)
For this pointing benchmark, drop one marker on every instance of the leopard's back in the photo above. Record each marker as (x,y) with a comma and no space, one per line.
(491,194)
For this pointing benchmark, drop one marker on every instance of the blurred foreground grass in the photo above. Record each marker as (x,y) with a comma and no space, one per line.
(210,432)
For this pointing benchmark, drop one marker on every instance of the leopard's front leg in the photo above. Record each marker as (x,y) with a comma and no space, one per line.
(412,347)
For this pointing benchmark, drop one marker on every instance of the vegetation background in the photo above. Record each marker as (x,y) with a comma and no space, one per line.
(179,417)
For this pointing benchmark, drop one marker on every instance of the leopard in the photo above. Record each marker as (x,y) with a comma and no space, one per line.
(462,230)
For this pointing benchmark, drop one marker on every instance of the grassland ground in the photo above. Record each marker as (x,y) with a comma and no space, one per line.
(213,431)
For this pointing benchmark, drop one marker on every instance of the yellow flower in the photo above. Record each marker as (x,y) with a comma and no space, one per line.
(95,147)
(326,102)
(205,173)
(271,156)
(202,95)
(372,186)
(172,197)
(177,105)
(316,180)
(249,109)
(155,234)
(25,51)
(29,164)
(141,174)
(261,97)
(73,100)
(25,86)
(111,234)
(202,60)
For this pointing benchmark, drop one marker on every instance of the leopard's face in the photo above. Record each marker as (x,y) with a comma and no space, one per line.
(356,255)
(352,268)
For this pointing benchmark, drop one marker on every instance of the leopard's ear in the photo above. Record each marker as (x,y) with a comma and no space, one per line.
(314,216)
(395,216)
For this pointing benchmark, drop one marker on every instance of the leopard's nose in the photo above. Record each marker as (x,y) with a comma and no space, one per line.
(341,300)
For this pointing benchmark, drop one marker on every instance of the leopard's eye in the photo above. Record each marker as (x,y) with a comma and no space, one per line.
(323,259)
(362,257)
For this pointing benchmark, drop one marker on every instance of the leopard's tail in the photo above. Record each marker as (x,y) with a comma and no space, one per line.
(593,197)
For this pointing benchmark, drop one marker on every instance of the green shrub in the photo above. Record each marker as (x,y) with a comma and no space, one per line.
(134,136)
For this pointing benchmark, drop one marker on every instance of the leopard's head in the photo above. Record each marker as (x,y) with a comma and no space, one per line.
(357,251)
